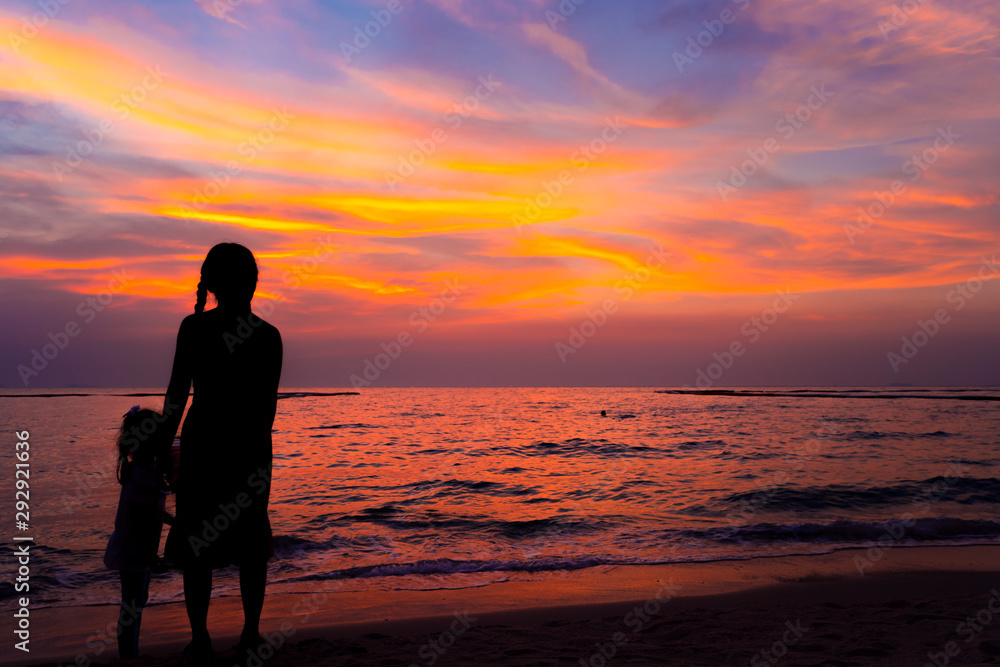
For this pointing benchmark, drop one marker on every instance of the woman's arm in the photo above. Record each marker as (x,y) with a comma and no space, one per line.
(274,378)
(177,390)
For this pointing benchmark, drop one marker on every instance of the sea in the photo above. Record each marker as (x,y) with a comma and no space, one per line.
(450,488)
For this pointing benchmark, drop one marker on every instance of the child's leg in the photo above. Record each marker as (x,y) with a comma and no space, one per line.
(144,596)
(135,592)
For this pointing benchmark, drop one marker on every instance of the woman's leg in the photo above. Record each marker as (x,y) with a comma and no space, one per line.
(253,579)
(197,594)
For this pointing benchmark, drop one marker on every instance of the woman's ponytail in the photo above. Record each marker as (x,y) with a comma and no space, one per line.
(199,306)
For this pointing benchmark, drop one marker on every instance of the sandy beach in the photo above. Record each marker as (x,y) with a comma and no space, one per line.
(911,607)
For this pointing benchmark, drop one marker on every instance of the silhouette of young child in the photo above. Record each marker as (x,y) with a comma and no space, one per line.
(132,548)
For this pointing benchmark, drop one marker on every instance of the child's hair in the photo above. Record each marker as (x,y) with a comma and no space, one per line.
(140,438)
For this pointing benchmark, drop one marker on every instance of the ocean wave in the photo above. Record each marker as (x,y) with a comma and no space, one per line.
(938,394)
(287,546)
(680,546)
(963,490)
(587,447)
(846,532)
(526,554)
(881,435)
(441,566)
(690,445)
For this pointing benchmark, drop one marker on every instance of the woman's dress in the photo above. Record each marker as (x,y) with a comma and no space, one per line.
(224,482)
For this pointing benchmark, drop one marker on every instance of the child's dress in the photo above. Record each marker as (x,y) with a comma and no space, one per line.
(132,550)
(138,523)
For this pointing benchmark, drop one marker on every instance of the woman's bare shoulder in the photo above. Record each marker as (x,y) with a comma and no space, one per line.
(265,327)
(191,322)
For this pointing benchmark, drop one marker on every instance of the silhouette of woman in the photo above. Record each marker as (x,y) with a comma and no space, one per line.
(224,480)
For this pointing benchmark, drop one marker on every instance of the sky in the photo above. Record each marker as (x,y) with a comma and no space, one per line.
(514,192)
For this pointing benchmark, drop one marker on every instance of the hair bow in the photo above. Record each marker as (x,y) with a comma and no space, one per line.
(131,411)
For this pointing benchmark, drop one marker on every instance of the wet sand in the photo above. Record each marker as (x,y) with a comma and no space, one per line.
(911,607)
